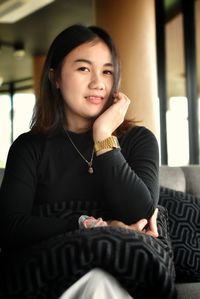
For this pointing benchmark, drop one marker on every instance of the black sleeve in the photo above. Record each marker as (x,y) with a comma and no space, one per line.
(129,177)
(17,193)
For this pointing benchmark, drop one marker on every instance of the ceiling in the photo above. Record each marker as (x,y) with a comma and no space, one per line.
(38,29)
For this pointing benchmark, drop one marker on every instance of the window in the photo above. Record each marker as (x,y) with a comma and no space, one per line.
(15,117)
(23,104)
(177,131)
(177,103)
(5,127)
(178,58)
(197,27)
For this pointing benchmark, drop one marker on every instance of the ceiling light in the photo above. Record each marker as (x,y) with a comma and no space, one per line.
(1,80)
(14,10)
(18,48)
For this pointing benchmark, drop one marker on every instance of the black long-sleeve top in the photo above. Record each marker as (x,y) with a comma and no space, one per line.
(45,169)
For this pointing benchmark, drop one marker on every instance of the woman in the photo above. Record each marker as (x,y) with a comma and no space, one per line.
(80,158)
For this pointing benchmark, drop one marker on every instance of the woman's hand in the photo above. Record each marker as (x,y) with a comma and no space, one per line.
(111,118)
(139,226)
(152,228)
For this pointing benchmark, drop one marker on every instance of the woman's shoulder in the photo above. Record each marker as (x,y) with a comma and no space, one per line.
(27,143)
(34,141)
(139,133)
(28,138)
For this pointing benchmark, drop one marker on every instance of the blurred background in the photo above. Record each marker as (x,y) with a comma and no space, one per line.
(159,46)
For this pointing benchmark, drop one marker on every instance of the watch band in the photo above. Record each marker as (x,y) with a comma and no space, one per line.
(110,142)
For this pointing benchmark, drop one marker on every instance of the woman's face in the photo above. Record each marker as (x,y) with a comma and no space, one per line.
(85,83)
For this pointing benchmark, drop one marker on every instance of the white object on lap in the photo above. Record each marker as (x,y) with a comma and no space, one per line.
(94,285)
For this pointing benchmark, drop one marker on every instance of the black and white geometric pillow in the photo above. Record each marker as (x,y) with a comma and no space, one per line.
(184,229)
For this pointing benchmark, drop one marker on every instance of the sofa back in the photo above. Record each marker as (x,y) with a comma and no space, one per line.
(184,178)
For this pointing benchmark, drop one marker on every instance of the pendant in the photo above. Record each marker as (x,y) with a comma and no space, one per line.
(90,170)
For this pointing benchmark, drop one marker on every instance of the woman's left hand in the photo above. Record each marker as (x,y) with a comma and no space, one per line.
(140,225)
(152,229)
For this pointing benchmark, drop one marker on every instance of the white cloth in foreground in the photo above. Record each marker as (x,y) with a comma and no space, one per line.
(96,284)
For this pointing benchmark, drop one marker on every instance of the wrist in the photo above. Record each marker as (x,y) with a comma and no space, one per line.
(107,144)
(99,136)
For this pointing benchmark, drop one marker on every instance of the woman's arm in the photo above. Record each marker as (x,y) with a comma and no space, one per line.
(129,177)
(17,195)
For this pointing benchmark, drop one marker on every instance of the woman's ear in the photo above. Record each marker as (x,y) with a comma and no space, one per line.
(52,79)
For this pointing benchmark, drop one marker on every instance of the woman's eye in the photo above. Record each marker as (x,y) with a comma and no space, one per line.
(83,69)
(108,72)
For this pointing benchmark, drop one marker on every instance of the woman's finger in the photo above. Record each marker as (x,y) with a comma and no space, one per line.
(140,225)
(153,229)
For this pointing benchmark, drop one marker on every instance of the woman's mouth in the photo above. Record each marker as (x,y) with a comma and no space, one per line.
(94,99)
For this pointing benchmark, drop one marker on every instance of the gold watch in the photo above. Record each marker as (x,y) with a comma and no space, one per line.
(110,142)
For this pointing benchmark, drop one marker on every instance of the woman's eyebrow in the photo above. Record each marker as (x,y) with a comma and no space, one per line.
(90,62)
(108,64)
(83,60)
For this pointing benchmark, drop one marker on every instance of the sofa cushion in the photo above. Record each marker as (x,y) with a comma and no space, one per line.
(188,290)
(184,228)
(172,177)
(192,178)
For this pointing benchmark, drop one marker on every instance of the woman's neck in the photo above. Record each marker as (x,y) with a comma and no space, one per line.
(78,128)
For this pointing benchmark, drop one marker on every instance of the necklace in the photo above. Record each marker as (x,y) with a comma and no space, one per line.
(89,163)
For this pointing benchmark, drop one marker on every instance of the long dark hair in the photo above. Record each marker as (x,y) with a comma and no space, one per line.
(49,109)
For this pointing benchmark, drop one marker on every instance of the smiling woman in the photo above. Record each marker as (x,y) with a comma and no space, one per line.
(80,189)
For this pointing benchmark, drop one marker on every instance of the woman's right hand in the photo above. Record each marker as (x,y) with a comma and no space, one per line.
(111,118)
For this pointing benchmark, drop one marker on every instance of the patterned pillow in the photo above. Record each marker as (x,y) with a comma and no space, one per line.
(143,264)
(184,229)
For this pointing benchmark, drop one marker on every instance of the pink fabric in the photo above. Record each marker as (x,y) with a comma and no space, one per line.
(89,222)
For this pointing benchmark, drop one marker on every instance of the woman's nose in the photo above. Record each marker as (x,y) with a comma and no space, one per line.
(96,82)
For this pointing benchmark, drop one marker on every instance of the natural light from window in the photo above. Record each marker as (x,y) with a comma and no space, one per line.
(23,104)
(177,132)
(5,128)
